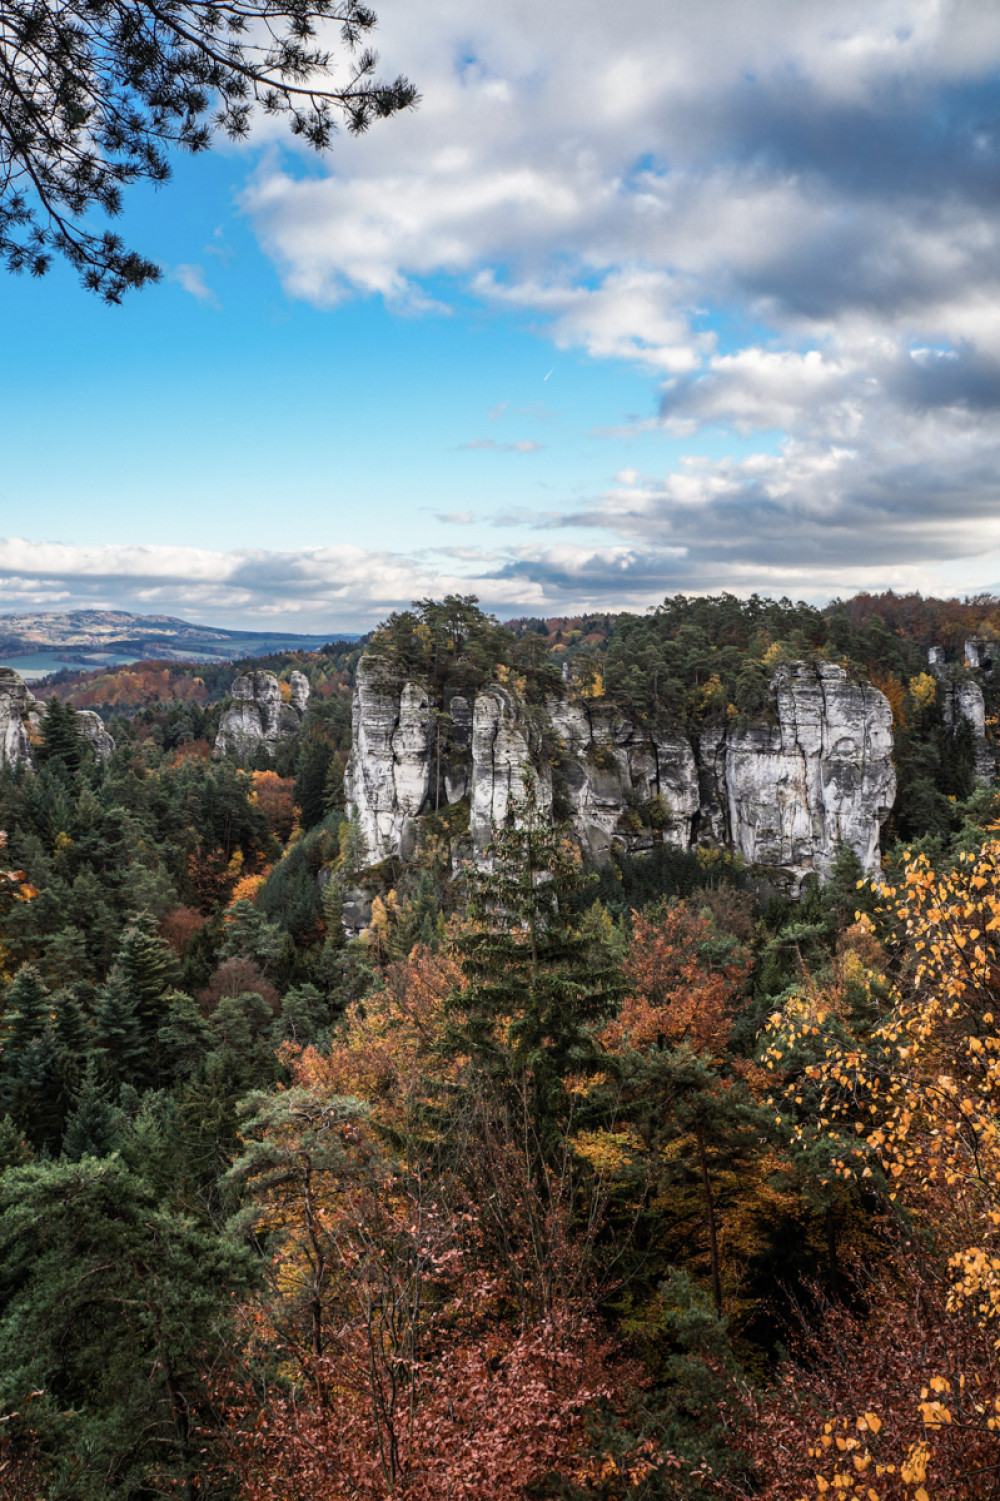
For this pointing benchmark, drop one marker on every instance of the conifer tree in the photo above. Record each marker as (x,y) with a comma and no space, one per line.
(72,1031)
(26,1014)
(62,743)
(146,969)
(93,1128)
(249,935)
(536,990)
(311,771)
(119,1037)
(114,1310)
(15,1151)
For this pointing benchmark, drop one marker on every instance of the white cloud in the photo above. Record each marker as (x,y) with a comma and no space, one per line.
(192,279)
(523,445)
(776,208)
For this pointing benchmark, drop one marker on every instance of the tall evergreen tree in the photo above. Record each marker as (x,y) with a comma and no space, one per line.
(118,1035)
(311,772)
(146,968)
(61,743)
(536,989)
(93,1128)
(25,1015)
(114,1309)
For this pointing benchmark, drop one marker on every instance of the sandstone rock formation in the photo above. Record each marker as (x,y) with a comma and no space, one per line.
(979,654)
(21,716)
(258,714)
(389,771)
(785,793)
(93,730)
(820,778)
(18,708)
(963,700)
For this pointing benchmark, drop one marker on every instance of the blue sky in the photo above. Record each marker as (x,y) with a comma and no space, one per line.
(674,298)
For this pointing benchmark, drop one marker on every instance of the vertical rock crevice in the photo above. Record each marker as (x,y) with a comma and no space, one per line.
(784,795)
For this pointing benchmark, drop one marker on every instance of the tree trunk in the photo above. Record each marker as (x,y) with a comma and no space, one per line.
(831,1251)
(713,1239)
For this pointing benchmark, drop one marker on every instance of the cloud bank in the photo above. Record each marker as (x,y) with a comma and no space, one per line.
(787,213)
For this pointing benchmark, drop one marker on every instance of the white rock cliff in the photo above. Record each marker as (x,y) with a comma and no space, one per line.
(785,793)
(21,717)
(258,714)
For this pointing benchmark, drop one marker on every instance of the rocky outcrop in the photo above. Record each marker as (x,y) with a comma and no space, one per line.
(21,717)
(258,714)
(611,766)
(786,793)
(501,763)
(820,778)
(963,702)
(979,654)
(18,710)
(93,730)
(389,771)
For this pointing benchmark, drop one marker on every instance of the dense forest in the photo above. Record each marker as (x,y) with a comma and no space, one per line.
(640,1183)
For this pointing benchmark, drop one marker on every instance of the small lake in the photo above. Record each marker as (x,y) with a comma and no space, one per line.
(40,664)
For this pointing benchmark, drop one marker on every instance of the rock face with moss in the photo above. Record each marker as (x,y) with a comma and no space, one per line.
(19,709)
(964,703)
(784,792)
(93,730)
(818,778)
(21,717)
(962,700)
(260,715)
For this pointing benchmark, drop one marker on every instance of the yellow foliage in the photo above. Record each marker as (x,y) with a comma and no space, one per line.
(247,888)
(923,690)
(923,1098)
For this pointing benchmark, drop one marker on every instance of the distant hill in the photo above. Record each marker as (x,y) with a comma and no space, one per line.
(42,643)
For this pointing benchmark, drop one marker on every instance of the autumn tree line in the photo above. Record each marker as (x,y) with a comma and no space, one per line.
(645,1183)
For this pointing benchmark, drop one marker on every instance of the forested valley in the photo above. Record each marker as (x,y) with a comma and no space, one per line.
(557,1184)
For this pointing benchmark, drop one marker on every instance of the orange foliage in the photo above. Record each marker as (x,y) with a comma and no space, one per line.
(211,876)
(490,1417)
(178,927)
(421,1358)
(275,796)
(388,1050)
(895,692)
(247,887)
(192,750)
(922,1094)
(139,685)
(675,993)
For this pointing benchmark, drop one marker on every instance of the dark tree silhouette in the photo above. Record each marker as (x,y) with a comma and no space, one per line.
(93,93)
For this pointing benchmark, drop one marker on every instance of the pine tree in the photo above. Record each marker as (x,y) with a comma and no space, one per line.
(93,1128)
(62,743)
(15,1151)
(116,1307)
(536,990)
(26,1014)
(185,1037)
(146,968)
(249,935)
(72,1030)
(119,1037)
(311,771)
